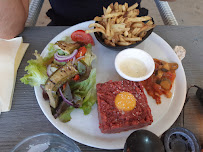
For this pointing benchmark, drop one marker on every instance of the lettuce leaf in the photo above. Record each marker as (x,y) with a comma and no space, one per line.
(52,50)
(89,56)
(36,72)
(87,90)
(89,101)
(65,116)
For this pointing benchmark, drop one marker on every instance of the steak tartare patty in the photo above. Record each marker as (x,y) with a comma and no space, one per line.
(113,120)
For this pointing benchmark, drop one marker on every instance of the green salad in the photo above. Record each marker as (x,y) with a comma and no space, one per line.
(65,75)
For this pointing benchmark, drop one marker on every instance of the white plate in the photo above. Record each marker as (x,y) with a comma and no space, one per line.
(85,129)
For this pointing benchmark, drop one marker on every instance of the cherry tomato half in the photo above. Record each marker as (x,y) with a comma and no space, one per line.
(81,36)
(77,77)
(81,52)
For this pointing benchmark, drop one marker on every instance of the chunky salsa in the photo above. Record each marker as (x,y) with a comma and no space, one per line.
(161,80)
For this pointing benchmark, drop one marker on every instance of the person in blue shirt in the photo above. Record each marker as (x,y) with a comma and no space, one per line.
(13,13)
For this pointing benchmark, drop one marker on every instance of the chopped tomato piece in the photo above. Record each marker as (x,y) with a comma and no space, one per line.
(157,88)
(169,75)
(64,86)
(77,77)
(81,36)
(81,52)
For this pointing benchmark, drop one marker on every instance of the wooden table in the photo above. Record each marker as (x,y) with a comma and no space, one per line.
(26,118)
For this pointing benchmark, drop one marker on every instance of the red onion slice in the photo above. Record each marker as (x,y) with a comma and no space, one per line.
(49,72)
(67,101)
(73,60)
(60,58)
(64,99)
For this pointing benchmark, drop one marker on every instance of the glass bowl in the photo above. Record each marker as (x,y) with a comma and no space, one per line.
(46,142)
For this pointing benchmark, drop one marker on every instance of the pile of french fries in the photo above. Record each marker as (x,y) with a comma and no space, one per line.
(120,25)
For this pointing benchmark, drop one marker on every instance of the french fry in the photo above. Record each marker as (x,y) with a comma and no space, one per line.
(108,27)
(126,6)
(132,39)
(118,27)
(127,29)
(120,8)
(113,20)
(137,24)
(126,33)
(129,34)
(118,19)
(104,10)
(97,18)
(143,33)
(121,39)
(115,38)
(128,25)
(103,23)
(116,7)
(122,20)
(108,42)
(150,27)
(150,22)
(133,13)
(112,33)
(124,43)
(123,8)
(139,19)
(96,25)
(111,5)
(145,28)
(95,30)
(132,7)
(137,11)
(113,15)
(108,10)
(135,31)
(142,29)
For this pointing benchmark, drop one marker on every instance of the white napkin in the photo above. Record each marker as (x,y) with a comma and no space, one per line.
(11,54)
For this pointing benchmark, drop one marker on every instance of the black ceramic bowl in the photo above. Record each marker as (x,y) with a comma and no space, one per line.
(98,35)
(143,141)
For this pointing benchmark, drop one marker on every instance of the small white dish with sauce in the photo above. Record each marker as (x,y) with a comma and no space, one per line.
(134,64)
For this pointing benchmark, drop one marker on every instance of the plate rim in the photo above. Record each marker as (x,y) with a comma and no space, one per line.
(173,118)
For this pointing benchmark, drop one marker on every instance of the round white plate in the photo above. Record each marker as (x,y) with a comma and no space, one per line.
(85,129)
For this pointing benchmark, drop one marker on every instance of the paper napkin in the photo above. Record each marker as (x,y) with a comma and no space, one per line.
(11,54)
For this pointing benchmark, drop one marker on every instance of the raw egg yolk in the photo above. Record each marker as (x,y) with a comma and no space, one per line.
(125,101)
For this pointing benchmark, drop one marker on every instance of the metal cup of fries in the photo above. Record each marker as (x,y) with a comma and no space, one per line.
(121,26)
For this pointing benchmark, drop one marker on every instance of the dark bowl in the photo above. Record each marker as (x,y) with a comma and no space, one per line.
(119,48)
(98,35)
(143,141)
